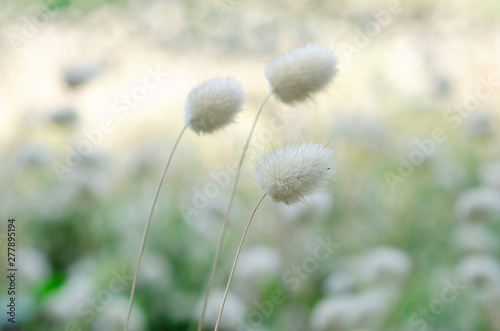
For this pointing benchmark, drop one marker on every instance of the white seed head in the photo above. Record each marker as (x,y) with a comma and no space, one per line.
(481,272)
(357,312)
(475,238)
(293,172)
(235,310)
(478,203)
(296,75)
(383,264)
(213,104)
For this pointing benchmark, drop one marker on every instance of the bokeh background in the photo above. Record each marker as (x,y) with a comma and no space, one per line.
(413,213)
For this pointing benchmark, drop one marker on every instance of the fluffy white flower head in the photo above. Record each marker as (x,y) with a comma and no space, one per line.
(365,310)
(383,264)
(293,172)
(296,75)
(213,104)
(236,310)
(480,271)
(478,203)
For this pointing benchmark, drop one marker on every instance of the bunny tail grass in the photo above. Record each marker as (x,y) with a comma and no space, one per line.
(236,261)
(143,243)
(226,215)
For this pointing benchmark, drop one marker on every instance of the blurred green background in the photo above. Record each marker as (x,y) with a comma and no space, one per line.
(413,117)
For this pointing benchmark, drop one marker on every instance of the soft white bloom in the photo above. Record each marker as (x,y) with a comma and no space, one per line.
(234,310)
(339,282)
(34,155)
(34,265)
(351,312)
(213,104)
(478,203)
(256,267)
(75,291)
(293,172)
(373,305)
(257,263)
(336,313)
(383,264)
(207,223)
(480,272)
(317,207)
(475,238)
(111,316)
(64,116)
(478,124)
(156,272)
(296,75)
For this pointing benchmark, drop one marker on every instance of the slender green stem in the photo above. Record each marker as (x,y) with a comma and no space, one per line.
(143,243)
(226,215)
(236,261)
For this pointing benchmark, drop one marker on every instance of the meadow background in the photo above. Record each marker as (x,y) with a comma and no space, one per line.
(91,101)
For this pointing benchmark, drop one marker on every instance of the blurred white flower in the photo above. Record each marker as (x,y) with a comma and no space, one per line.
(291,173)
(338,283)
(258,263)
(33,155)
(113,318)
(383,265)
(481,273)
(87,183)
(373,305)
(474,238)
(74,292)
(34,265)
(64,116)
(317,206)
(234,310)
(351,312)
(335,314)
(207,221)
(256,266)
(478,124)
(155,271)
(79,74)
(53,206)
(83,266)
(478,203)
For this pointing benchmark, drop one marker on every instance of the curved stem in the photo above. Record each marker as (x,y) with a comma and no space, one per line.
(236,261)
(143,243)
(226,215)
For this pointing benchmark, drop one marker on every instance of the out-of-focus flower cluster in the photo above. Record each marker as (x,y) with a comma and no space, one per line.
(406,237)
